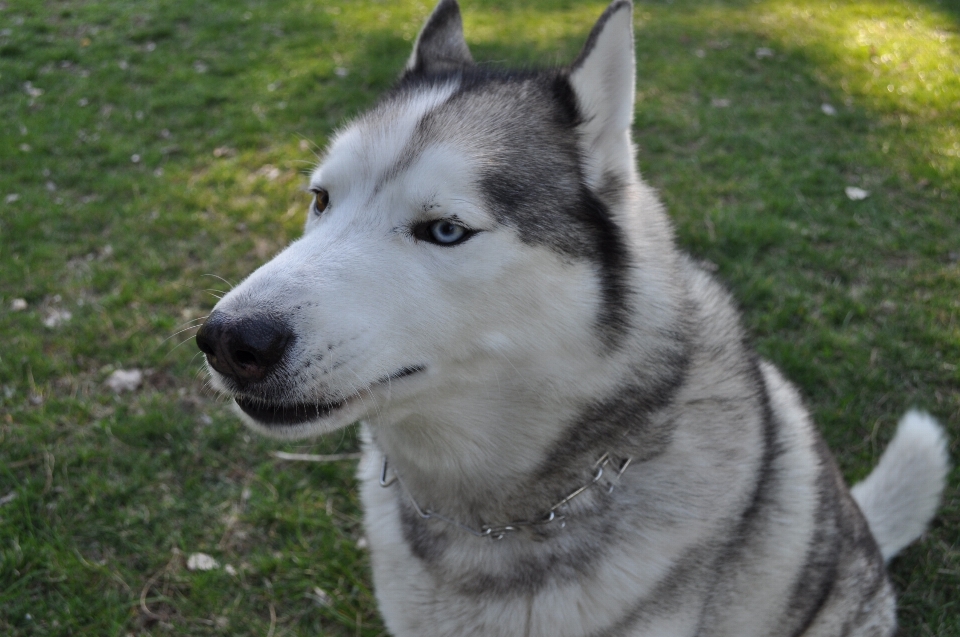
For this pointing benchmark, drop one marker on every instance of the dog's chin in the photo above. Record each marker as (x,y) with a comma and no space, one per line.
(299,420)
(326,419)
(287,414)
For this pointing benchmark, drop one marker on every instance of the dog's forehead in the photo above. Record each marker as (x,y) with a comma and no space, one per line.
(379,141)
(485,120)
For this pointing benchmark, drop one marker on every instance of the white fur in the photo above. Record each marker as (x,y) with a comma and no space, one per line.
(901,495)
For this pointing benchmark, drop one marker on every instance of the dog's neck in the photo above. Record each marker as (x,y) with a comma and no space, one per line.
(484,455)
(478,453)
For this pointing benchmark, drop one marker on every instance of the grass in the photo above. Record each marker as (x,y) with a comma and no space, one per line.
(151,152)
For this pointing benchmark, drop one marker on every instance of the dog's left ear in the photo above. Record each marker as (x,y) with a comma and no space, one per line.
(603,80)
(440,46)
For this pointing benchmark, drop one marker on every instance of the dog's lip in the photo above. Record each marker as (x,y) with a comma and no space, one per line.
(279,414)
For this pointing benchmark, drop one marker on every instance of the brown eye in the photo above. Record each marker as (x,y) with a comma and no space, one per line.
(321,199)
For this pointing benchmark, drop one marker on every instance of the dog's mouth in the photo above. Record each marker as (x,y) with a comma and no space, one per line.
(281,414)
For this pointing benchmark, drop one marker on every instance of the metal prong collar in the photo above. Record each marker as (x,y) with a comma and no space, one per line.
(498,531)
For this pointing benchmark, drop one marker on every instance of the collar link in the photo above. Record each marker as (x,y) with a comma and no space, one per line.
(498,531)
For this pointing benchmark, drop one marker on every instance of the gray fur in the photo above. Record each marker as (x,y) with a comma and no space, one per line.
(440,45)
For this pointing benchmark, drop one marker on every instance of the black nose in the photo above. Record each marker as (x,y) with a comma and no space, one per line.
(245,349)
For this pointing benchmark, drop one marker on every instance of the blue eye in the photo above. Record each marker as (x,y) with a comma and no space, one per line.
(442,232)
(446,232)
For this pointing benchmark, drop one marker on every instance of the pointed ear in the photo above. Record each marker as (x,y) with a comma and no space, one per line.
(603,81)
(440,46)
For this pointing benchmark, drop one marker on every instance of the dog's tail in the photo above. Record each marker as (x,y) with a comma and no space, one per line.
(901,495)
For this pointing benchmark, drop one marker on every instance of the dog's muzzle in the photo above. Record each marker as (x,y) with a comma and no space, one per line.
(244,349)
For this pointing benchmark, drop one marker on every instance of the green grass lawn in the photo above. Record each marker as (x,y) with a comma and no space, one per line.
(151,154)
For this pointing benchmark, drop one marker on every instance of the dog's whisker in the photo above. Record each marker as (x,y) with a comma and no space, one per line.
(314,147)
(217,276)
(191,320)
(177,333)
(177,346)
(357,392)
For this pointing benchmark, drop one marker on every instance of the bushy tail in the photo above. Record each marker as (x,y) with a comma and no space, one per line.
(901,495)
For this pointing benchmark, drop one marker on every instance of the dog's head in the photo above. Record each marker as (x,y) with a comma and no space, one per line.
(462,231)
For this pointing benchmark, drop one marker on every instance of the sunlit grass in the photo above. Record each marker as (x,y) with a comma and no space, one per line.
(901,60)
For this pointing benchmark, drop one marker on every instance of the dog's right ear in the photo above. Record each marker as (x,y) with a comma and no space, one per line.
(440,47)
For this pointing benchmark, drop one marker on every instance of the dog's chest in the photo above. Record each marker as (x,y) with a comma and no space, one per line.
(456,584)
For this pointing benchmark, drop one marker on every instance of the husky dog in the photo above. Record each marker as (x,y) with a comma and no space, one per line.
(567,432)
